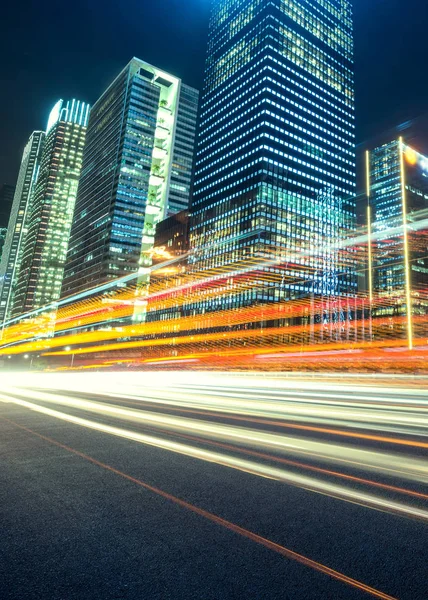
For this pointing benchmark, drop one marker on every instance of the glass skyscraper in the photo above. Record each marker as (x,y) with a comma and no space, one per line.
(6,199)
(3,233)
(18,222)
(275,166)
(52,208)
(397,190)
(137,169)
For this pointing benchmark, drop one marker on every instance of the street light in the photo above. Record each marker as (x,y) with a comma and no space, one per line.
(27,356)
(67,349)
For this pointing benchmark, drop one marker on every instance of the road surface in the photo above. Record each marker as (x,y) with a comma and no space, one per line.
(213,486)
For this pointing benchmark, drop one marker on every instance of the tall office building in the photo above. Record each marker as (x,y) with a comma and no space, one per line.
(275,166)
(3,233)
(183,153)
(18,222)
(6,199)
(137,169)
(52,208)
(397,190)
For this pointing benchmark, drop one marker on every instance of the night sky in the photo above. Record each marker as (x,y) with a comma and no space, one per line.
(50,50)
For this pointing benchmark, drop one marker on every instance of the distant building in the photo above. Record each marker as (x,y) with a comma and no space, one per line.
(52,208)
(172,237)
(137,169)
(6,199)
(18,222)
(397,190)
(275,171)
(169,271)
(3,232)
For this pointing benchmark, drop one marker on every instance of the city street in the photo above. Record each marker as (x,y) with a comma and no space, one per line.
(211,486)
(214,300)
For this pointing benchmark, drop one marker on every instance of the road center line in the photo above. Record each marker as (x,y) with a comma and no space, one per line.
(282,550)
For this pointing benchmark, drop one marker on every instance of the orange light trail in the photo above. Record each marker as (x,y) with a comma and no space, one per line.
(100,331)
(279,549)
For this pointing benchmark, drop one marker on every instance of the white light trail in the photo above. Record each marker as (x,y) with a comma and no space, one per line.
(253,401)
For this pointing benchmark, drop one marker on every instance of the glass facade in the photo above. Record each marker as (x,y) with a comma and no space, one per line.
(18,222)
(169,268)
(275,167)
(137,168)
(397,178)
(52,208)
(6,199)
(183,154)
(3,232)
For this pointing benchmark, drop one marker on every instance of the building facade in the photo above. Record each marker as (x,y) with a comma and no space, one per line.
(6,199)
(275,167)
(170,268)
(397,191)
(3,233)
(52,208)
(137,170)
(181,180)
(172,237)
(18,222)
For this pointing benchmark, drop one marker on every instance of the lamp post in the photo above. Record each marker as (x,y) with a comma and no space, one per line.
(26,357)
(68,348)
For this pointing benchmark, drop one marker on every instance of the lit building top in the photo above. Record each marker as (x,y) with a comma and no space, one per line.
(275,169)
(52,208)
(137,169)
(72,111)
(397,191)
(18,222)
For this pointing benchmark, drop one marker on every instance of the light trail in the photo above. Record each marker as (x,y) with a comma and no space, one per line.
(282,550)
(304,409)
(96,328)
(305,466)
(212,397)
(246,466)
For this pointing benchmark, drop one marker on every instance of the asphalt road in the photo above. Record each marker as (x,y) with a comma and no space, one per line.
(186,486)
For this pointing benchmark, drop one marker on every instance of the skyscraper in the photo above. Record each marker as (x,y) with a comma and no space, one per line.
(3,233)
(397,191)
(137,169)
(18,222)
(52,207)
(275,166)
(6,199)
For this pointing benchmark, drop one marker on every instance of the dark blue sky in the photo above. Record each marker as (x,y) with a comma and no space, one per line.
(50,50)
